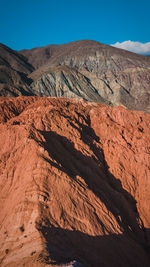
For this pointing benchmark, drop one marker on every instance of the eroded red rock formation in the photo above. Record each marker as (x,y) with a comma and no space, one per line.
(74,183)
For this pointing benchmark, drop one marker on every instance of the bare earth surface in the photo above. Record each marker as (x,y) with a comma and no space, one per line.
(74,184)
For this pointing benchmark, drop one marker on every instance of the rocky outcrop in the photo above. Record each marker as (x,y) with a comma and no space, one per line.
(74,187)
(63,81)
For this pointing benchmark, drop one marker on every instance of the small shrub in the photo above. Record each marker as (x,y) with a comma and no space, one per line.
(21,228)
(33,252)
(6,251)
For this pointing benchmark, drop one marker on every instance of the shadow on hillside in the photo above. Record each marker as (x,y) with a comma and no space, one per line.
(64,245)
(95,172)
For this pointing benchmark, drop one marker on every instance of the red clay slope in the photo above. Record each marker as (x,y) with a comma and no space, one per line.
(74,184)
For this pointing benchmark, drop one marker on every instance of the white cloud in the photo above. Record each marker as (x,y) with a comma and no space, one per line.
(136,47)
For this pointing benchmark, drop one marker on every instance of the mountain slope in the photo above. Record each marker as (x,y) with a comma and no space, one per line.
(74,184)
(14,70)
(119,76)
(40,55)
(77,54)
(82,69)
(63,81)
(14,59)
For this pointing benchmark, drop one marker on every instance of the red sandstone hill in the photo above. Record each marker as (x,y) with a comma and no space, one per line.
(74,184)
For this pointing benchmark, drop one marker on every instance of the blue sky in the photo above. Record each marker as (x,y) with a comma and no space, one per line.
(30,23)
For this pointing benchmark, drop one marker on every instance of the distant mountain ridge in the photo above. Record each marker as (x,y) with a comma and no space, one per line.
(83,69)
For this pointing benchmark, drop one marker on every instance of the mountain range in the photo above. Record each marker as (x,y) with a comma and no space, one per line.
(82,69)
(74,157)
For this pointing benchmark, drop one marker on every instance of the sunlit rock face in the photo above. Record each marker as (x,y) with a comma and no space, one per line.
(74,184)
